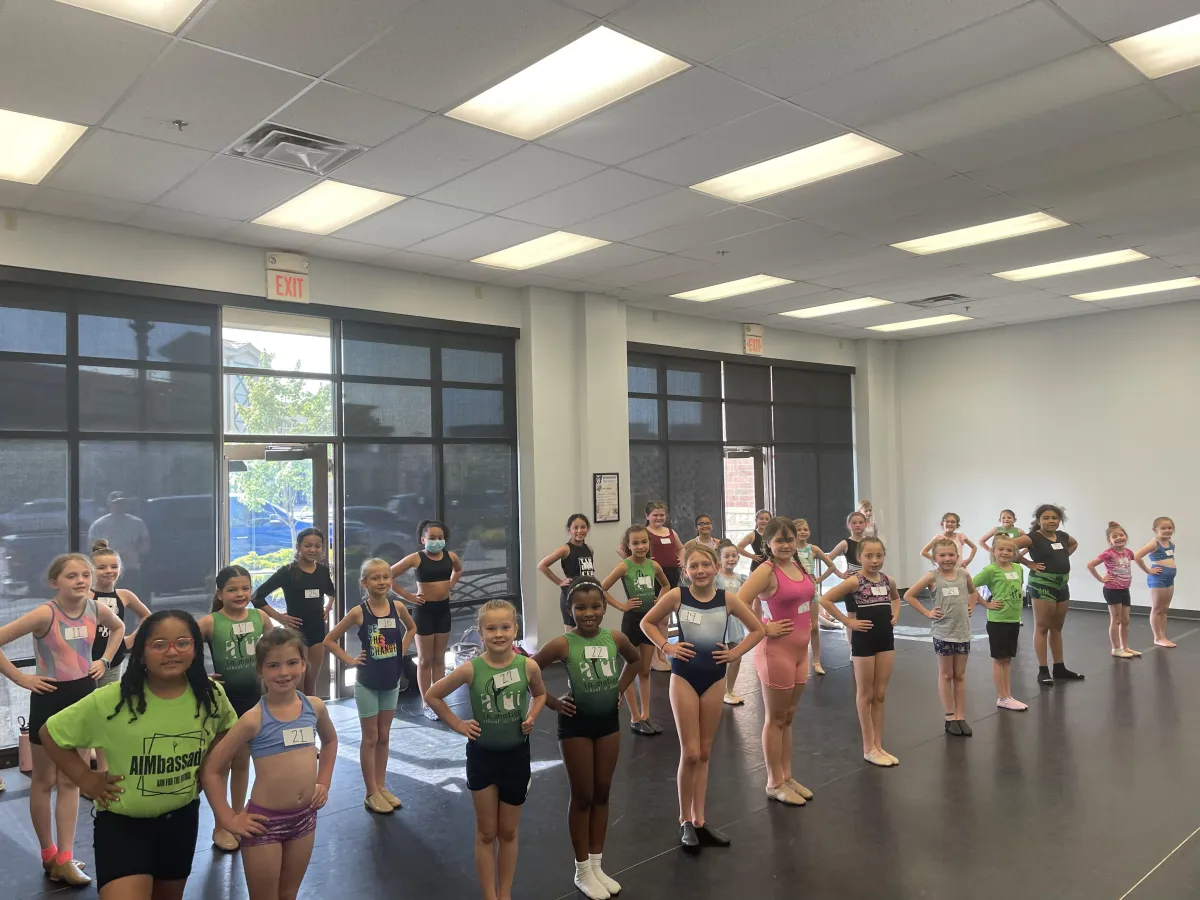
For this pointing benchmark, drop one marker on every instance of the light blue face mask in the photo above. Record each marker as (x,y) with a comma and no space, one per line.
(433,546)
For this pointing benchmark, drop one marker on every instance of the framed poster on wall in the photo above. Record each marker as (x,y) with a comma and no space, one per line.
(606,497)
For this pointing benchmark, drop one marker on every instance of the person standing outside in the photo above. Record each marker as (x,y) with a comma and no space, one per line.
(128,535)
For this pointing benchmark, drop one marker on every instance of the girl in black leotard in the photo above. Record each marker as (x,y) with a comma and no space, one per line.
(757,551)
(576,559)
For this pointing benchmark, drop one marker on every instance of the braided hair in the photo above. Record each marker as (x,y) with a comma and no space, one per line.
(133,682)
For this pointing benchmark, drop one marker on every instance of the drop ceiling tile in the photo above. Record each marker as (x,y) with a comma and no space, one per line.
(706,230)
(842,264)
(236,96)
(523,175)
(651,270)
(1113,19)
(81,206)
(125,167)
(352,251)
(237,189)
(785,296)
(860,186)
(425,156)
(66,63)
(599,8)
(678,107)
(156,218)
(911,201)
(783,240)
(1165,179)
(594,262)
(651,215)
(15,196)
(996,48)
(690,281)
(862,279)
(1146,271)
(764,134)
(440,54)
(1064,82)
(303,37)
(345,115)
(267,237)
(413,262)
(1182,296)
(1034,250)
(937,221)
(1055,130)
(480,238)
(1182,87)
(406,223)
(702,29)
(787,259)
(839,38)
(585,199)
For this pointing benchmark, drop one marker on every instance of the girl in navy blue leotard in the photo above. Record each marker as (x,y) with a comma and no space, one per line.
(698,658)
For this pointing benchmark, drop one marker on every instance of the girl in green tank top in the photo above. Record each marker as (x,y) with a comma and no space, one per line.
(232,631)
(507,693)
(588,723)
(1007,528)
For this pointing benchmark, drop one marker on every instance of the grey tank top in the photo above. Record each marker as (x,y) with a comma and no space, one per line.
(950,596)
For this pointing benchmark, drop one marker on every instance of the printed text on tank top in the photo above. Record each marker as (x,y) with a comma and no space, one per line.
(111,600)
(380,636)
(578,561)
(64,652)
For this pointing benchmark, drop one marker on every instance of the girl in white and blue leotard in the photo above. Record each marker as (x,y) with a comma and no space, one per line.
(698,659)
(1161,578)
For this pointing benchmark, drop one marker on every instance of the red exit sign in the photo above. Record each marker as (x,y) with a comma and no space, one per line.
(287,286)
(753,345)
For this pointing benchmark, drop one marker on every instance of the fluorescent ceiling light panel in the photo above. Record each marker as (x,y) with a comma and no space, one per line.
(164,15)
(1079,264)
(539,251)
(982,234)
(1163,51)
(920,323)
(586,75)
(1132,291)
(800,167)
(326,207)
(833,309)
(733,288)
(31,145)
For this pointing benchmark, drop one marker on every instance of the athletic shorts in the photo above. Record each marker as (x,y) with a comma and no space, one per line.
(951,648)
(161,847)
(432,617)
(371,702)
(509,770)
(243,701)
(1003,638)
(43,706)
(879,639)
(1164,579)
(1047,592)
(1117,596)
(593,727)
(112,676)
(782,662)
(631,625)
(281,826)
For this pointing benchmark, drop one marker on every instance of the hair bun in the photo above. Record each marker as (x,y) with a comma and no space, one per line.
(100,544)
(1114,524)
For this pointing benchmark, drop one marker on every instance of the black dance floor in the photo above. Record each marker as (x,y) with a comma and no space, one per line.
(1083,796)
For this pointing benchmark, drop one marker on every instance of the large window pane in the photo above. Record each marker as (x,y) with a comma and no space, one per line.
(795,423)
(147,400)
(153,501)
(647,478)
(33,396)
(468,413)
(697,486)
(837,493)
(384,351)
(255,339)
(479,513)
(747,423)
(482,366)
(643,376)
(31,330)
(794,385)
(33,526)
(747,382)
(147,330)
(837,426)
(689,420)
(694,378)
(277,405)
(391,410)
(833,389)
(643,418)
(797,490)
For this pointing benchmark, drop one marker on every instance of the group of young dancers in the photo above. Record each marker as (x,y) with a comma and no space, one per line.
(142,744)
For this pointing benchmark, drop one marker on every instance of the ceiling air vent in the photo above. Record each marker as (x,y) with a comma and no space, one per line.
(295,149)
(940,300)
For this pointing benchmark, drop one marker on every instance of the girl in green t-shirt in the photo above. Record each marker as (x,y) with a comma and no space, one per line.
(156,726)
(589,727)
(1005,598)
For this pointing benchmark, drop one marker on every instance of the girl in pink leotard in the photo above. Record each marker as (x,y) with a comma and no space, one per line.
(782,592)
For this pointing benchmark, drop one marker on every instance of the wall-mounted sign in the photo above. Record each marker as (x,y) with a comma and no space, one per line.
(606,499)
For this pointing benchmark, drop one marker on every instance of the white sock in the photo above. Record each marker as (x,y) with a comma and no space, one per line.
(585,880)
(609,883)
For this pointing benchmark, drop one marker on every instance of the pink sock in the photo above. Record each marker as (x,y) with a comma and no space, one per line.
(49,853)
(63,857)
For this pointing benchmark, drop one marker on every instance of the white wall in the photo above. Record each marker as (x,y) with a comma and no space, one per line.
(1096,413)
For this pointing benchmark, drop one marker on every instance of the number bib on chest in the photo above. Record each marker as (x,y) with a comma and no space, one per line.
(504,679)
(299,737)
(595,653)
(312,593)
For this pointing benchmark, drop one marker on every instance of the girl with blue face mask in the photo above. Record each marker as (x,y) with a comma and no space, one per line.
(437,571)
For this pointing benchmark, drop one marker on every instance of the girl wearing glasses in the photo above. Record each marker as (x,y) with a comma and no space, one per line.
(156,726)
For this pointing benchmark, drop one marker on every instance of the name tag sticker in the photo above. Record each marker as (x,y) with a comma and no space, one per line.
(689,615)
(75,633)
(1169,552)
(879,590)
(504,679)
(595,652)
(243,628)
(950,591)
(665,540)
(298,737)
(312,593)
(803,608)
(1012,576)
(1056,546)
(110,602)
(389,622)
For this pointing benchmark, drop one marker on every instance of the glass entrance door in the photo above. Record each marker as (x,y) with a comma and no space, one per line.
(273,492)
